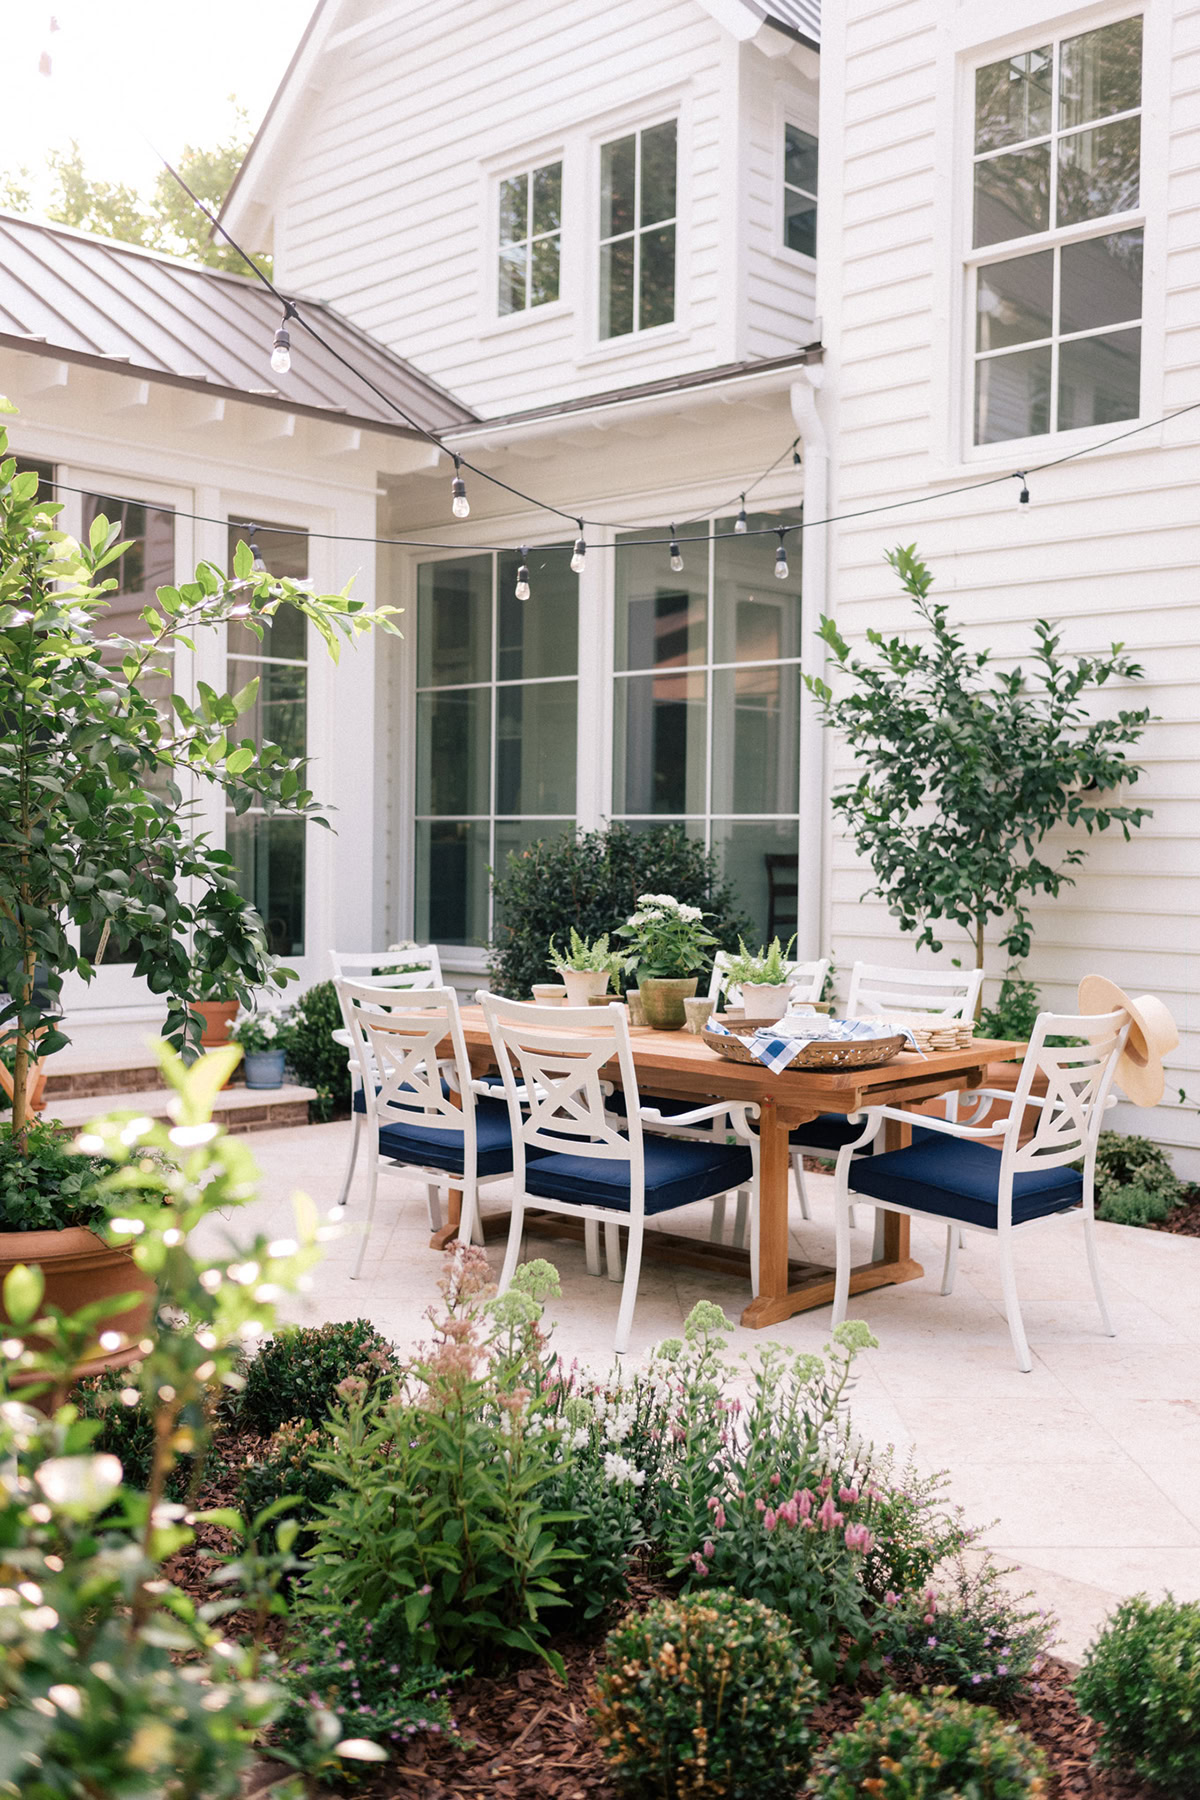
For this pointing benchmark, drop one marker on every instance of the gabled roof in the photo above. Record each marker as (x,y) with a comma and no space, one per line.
(799,19)
(91,300)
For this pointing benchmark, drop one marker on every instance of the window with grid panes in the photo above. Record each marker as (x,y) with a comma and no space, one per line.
(269,852)
(497,682)
(530,238)
(799,190)
(706,722)
(1056,181)
(637,230)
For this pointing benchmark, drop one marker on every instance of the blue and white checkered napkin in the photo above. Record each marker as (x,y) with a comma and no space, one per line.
(776,1052)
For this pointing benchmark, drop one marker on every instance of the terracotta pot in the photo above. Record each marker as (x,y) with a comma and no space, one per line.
(79,1267)
(218,1016)
(765,1001)
(663,997)
(584,985)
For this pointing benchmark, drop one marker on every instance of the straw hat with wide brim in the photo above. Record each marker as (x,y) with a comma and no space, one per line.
(1152,1034)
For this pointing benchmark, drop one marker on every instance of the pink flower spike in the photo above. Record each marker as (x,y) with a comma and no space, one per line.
(891,1599)
(770,1519)
(760,1506)
(848,1496)
(719,1518)
(806,1503)
(701,1566)
(775,1480)
(829,1518)
(826,1486)
(709,1547)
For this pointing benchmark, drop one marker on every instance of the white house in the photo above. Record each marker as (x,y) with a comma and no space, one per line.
(585,244)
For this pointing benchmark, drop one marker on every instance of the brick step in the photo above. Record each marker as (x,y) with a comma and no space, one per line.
(77,1084)
(238,1109)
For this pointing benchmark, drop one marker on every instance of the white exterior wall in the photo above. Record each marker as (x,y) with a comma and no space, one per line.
(388,205)
(1109,545)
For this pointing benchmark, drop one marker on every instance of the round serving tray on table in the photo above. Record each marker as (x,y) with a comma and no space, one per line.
(821,1053)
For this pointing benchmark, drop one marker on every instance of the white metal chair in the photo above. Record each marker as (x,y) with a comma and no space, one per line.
(408,966)
(955,1176)
(806,978)
(454,1133)
(572,1156)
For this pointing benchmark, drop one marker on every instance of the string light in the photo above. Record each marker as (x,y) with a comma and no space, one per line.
(676,554)
(258,565)
(281,348)
(522,588)
(741,524)
(460,506)
(1023,496)
(781,561)
(579,553)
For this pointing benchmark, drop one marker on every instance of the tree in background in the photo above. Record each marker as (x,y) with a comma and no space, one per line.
(167,219)
(966,768)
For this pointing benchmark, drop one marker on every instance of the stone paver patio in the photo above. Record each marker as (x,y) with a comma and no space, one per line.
(1090,1465)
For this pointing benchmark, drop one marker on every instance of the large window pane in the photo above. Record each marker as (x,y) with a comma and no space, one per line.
(756,723)
(269,857)
(1099,171)
(618,162)
(759,858)
(279,714)
(535,748)
(1013,301)
(658,173)
(661,616)
(538,636)
(454,731)
(547,198)
(1012,396)
(799,222)
(755,617)
(1100,73)
(1012,195)
(454,621)
(1012,100)
(452,886)
(1101,281)
(656,301)
(1099,379)
(800,159)
(616,288)
(659,744)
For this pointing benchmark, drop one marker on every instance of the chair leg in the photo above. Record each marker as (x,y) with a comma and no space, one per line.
(354,1136)
(633,1265)
(468,1215)
(950,1267)
(612,1249)
(716,1230)
(741,1212)
(1012,1306)
(745,1195)
(591,1245)
(797,1160)
(373,1184)
(433,1200)
(1089,1238)
(841,1280)
(512,1255)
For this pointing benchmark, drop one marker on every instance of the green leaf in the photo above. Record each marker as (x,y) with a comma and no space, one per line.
(243,560)
(23,1290)
(246,696)
(238,761)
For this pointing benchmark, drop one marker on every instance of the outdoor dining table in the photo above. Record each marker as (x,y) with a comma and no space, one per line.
(680,1066)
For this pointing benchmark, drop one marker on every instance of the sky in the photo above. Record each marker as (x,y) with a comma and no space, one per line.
(124,71)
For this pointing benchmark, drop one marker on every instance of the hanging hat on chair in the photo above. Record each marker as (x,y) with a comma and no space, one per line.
(1152,1034)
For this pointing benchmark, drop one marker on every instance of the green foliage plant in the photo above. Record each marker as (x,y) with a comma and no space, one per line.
(45,1184)
(587,956)
(1015,1012)
(439,1484)
(968,1633)
(592,881)
(917,1529)
(318,1062)
(95,832)
(966,769)
(1141,1681)
(667,939)
(770,968)
(929,1747)
(1135,1183)
(291,1465)
(297,1372)
(705,1697)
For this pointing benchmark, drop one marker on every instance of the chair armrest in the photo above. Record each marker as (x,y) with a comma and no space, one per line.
(650,1115)
(931,1122)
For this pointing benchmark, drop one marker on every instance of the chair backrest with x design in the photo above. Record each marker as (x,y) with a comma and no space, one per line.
(404,966)
(806,978)
(551,1061)
(397,1051)
(1078,1078)
(880,992)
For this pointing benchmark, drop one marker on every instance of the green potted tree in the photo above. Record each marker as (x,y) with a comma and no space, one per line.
(667,942)
(764,980)
(97,841)
(586,967)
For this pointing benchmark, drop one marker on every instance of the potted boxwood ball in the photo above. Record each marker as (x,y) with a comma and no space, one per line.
(265,1038)
(668,946)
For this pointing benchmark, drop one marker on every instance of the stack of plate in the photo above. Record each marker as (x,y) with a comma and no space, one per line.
(944,1034)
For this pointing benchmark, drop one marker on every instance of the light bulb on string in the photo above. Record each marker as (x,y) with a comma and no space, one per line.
(258,566)
(676,554)
(579,553)
(1023,496)
(281,347)
(460,506)
(781,561)
(741,524)
(521,591)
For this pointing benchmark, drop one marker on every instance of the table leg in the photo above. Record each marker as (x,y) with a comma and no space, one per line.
(772,1219)
(442,1239)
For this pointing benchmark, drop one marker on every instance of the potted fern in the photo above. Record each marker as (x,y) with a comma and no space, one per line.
(586,968)
(765,980)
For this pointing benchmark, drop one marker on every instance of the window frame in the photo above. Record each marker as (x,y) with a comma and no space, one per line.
(497,180)
(1054,238)
(637,130)
(786,116)
(522,160)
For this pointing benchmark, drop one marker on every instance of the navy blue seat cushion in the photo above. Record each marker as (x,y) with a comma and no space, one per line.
(829,1131)
(958,1179)
(360,1099)
(437,1149)
(678,1171)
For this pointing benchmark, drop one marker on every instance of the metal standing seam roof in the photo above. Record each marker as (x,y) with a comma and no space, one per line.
(66,294)
(802,18)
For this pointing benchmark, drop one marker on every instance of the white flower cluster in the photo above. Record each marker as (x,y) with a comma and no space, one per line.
(619,1470)
(657,909)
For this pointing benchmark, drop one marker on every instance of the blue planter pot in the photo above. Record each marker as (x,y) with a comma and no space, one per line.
(264,1068)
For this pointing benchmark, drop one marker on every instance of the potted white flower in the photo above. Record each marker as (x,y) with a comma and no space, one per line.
(265,1038)
(667,941)
(765,980)
(586,968)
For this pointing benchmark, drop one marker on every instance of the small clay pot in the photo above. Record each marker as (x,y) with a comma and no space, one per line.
(765,1001)
(663,997)
(218,1016)
(583,985)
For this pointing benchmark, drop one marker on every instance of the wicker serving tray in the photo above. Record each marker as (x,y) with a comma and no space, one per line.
(820,1054)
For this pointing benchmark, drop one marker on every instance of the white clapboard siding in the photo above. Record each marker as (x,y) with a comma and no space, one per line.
(1109,547)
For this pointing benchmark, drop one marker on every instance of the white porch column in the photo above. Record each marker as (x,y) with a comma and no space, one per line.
(355,854)
(813,602)
(593,759)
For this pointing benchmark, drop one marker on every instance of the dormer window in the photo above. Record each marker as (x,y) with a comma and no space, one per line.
(799,190)
(637,231)
(530,238)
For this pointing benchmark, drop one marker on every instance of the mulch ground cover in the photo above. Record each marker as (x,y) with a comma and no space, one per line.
(1182,1220)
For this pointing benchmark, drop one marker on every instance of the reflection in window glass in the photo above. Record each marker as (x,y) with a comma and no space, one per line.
(1101,281)
(1012,396)
(530,234)
(756,739)
(759,857)
(1013,301)
(1012,100)
(1099,379)
(452,885)
(1012,195)
(659,729)
(1100,73)
(661,616)
(268,855)
(454,621)
(537,637)
(454,749)
(535,748)
(637,230)
(1099,171)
